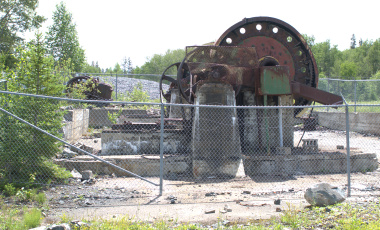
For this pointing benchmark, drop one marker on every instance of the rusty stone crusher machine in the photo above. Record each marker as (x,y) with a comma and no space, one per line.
(259,61)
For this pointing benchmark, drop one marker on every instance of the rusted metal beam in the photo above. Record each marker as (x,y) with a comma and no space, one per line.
(314,94)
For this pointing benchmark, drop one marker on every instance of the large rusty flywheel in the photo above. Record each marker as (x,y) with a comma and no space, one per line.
(276,43)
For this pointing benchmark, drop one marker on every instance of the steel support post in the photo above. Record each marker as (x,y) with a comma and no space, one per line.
(355,94)
(162,149)
(116,87)
(348,149)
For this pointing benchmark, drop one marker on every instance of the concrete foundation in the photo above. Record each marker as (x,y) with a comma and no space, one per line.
(216,141)
(120,142)
(359,122)
(321,163)
(282,165)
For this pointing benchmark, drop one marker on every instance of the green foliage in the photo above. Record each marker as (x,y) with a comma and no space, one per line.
(310,40)
(93,68)
(113,116)
(137,94)
(326,56)
(24,150)
(158,63)
(16,17)
(10,190)
(348,70)
(40,198)
(79,89)
(32,218)
(62,40)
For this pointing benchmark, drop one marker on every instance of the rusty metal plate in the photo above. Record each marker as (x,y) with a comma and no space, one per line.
(229,55)
(232,65)
(315,94)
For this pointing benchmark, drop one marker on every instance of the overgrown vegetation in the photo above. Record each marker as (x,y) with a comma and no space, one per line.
(26,153)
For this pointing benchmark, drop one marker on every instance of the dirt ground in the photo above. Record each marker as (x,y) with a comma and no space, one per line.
(186,200)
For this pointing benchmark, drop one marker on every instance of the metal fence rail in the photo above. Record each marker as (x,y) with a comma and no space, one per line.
(186,150)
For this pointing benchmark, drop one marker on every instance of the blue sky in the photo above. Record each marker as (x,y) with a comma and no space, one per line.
(110,30)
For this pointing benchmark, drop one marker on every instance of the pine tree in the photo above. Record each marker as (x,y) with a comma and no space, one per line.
(353,42)
(63,42)
(25,151)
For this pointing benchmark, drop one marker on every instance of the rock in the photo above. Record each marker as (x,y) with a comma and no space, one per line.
(246,192)
(68,153)
(277,202)
(171,197)
(76,174)
(278,209)
(210,194)
(227,208)
(59,227)
(39,228)
(210,211)
(324,194)
(87,175)
(79,224)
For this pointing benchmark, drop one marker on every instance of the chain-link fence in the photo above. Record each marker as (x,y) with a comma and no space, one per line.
(355,91)
(124,84)
(186,152)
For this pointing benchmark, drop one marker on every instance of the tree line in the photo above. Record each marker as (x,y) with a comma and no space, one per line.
(360,61)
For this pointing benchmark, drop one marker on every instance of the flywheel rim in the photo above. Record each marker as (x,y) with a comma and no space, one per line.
(284,36)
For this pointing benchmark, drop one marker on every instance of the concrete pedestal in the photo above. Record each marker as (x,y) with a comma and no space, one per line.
(216,141)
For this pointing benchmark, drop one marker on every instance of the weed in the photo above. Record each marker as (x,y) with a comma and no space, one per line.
(32,218)
(112,117)
(26,194)
(65,218)
(9,190)
(40,198)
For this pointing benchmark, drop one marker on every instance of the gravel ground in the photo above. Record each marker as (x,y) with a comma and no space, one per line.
(185,199)
(127,84)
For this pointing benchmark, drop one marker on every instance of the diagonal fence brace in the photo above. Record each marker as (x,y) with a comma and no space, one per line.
(80,150)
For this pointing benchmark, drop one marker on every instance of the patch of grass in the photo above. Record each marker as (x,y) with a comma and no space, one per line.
(40,198)
(32,218)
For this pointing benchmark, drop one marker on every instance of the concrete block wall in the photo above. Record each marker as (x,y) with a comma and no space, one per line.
(359,122)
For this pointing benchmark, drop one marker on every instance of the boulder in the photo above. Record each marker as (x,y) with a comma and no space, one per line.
(87,175)
(324,194)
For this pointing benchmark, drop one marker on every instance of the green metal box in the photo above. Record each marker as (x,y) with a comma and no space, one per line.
(275,80)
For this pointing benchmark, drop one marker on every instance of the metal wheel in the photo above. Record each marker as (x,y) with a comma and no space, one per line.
(167,78)
(202,64)
(276,43)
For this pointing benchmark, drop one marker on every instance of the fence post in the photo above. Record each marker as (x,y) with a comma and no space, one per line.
(280,124)
(348,149)
(162,149)
(355,94)
(116,87)
(328,89)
